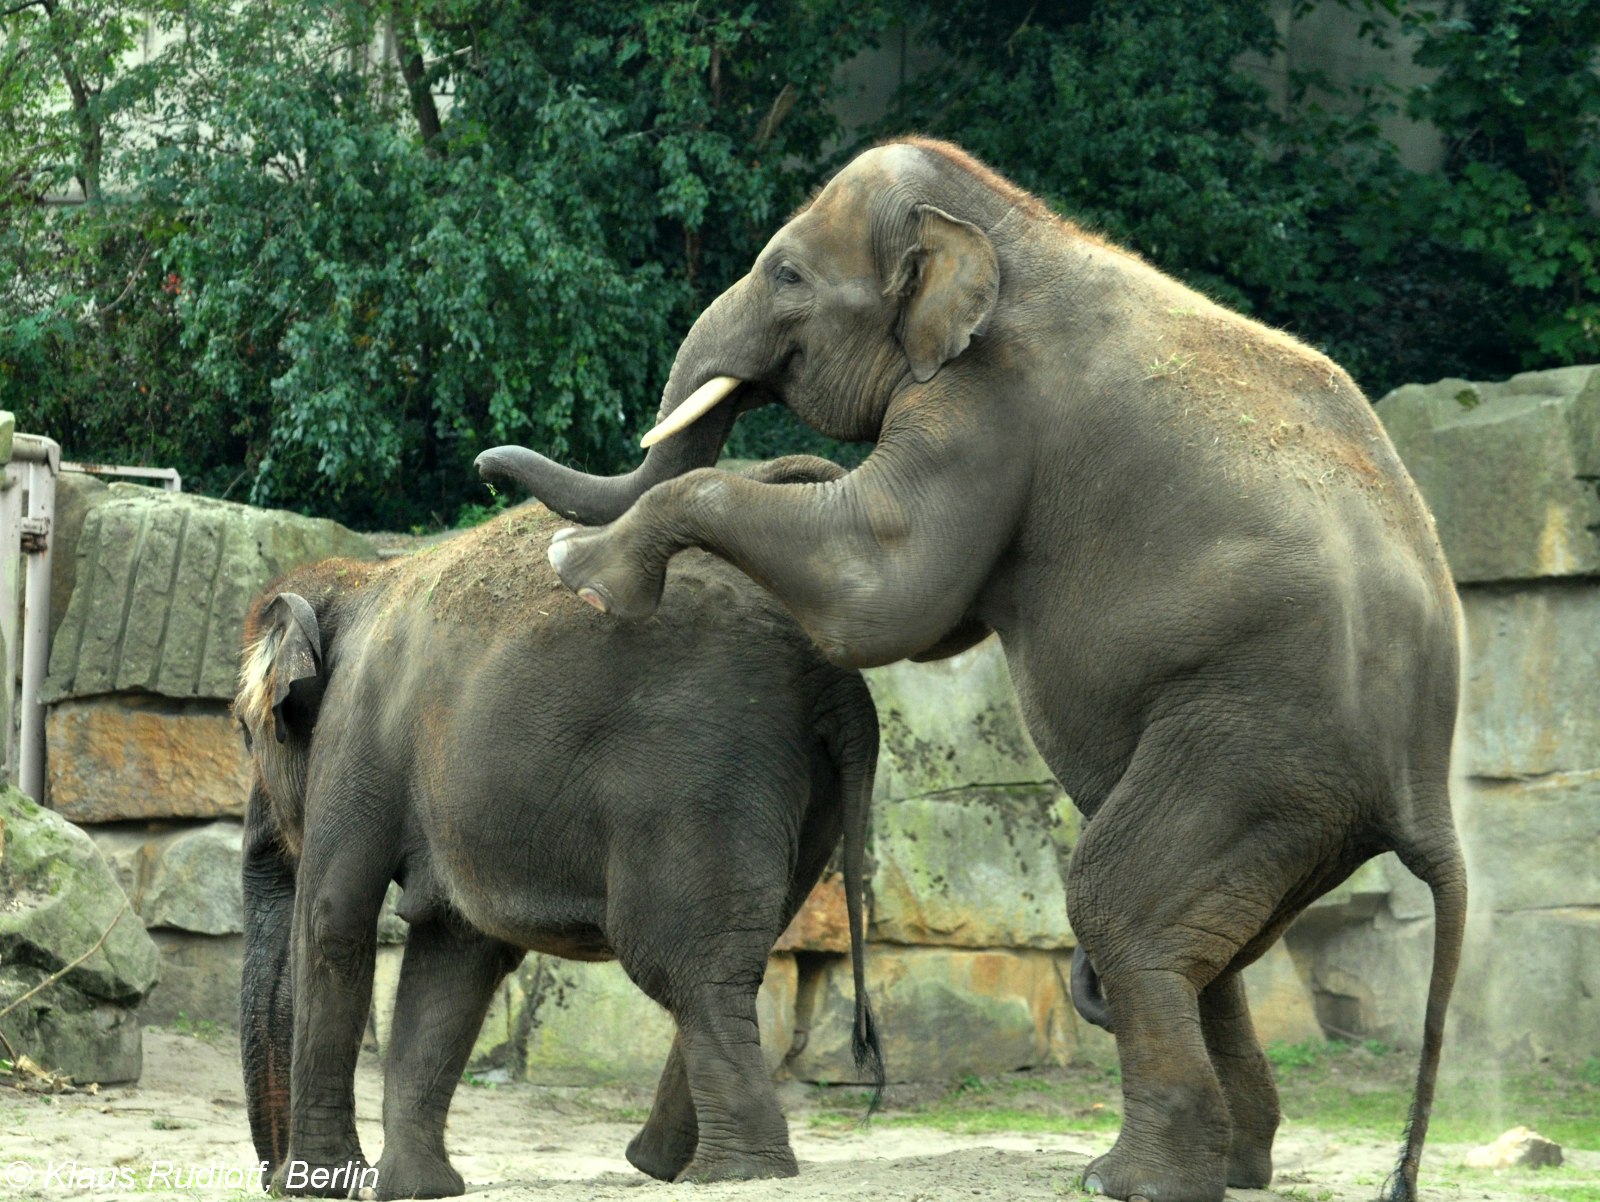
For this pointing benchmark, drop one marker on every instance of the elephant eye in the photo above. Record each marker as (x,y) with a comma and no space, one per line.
(786,275)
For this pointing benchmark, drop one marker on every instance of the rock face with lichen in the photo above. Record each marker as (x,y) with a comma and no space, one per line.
(145,659)
(59,898)
(1512,474)
(1510,470)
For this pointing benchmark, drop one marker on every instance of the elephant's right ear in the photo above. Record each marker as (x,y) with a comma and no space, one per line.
(949,281)
(285,672)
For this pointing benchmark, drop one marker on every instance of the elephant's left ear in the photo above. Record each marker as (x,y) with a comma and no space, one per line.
(948,282)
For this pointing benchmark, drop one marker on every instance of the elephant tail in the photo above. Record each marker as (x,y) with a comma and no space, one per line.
(266,1002)
(1441,867)
(855,722)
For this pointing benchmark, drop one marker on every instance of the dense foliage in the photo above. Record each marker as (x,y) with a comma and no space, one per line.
(340,271)
(1142,120)
(328,250)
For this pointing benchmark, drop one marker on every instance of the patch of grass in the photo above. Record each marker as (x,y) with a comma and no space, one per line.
(1367,1088)
(1080,1099)
(1571,1193)
(169,1125)
(203,1029)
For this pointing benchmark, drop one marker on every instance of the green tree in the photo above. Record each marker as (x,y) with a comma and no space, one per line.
(1518,100)
(363,266)
(1139,119)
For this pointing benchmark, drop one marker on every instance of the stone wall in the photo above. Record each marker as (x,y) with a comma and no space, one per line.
(149,593)
(1511,472)
(969,941)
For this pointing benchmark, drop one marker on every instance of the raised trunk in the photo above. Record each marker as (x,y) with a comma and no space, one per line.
(596,500)
(266,1001)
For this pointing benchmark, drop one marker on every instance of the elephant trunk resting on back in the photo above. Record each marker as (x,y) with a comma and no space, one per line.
(536,778)
(1222,602)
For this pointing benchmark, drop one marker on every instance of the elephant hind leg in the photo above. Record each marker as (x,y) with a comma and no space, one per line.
(716,1116)
(665,1145)
(1246,1080)
(447,979)
(1171,881)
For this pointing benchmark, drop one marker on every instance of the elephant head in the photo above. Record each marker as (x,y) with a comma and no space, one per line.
(873,285)
(280,693)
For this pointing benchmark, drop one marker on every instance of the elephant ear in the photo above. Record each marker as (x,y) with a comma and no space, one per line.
(296,675)
(948,282)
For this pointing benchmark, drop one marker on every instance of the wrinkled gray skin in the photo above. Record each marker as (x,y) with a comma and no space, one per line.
(536,777)
(1225,612)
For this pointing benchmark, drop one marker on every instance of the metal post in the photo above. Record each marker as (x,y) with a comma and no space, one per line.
(42,460)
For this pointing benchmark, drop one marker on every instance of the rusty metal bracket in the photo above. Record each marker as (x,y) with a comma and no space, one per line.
(35,535)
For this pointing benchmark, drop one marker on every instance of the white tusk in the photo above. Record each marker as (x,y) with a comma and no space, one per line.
(699,403)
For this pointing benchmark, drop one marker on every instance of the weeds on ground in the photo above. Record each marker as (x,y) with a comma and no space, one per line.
(1070,1099)
(203,1029)
(1327,1084)
(1367,1087)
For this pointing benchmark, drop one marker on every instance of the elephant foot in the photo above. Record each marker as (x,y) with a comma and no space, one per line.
(407,1174)
(325,1177)
(590,564)
(1249,1164)
(661,1156)
(1119,1175)
(707,1167)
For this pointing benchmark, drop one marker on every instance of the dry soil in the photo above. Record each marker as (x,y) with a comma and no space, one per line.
(519,1143)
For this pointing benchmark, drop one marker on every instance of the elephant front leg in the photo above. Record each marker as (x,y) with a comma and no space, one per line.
(447,980)
(336,915)
(1246,1080)
(871,576)
(666,1144)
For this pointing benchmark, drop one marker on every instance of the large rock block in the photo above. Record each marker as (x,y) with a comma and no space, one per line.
(1532,662)
(76,494)
(951,724)
(588,1024)
(1530,985)
(945,1013)
(62,897)
(1369,980)
(1281,1005)
(142,756)
(977,867)
(1532,844)
(567,1022)
(186,876)
(66,1031)
(199,986)
(162,584)
(1508,469)
(823,922)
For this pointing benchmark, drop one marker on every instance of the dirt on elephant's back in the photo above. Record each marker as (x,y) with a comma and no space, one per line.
(494,573)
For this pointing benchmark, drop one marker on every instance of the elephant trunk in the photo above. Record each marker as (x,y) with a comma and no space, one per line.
(266,1002)
(693,441)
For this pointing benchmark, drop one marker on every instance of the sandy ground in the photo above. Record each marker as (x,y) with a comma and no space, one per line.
(519,1143)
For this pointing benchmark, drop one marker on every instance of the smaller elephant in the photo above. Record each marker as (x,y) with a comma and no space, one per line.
(536,778)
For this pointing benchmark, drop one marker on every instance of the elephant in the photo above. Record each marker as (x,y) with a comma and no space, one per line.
(535,778)
(1227,616)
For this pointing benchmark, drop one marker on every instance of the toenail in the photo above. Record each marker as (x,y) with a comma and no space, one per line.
(593,598)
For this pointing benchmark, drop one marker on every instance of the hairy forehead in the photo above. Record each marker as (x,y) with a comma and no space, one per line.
(868,171)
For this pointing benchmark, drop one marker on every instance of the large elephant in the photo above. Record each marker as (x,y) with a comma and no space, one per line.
(1225,610)
(535,777)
